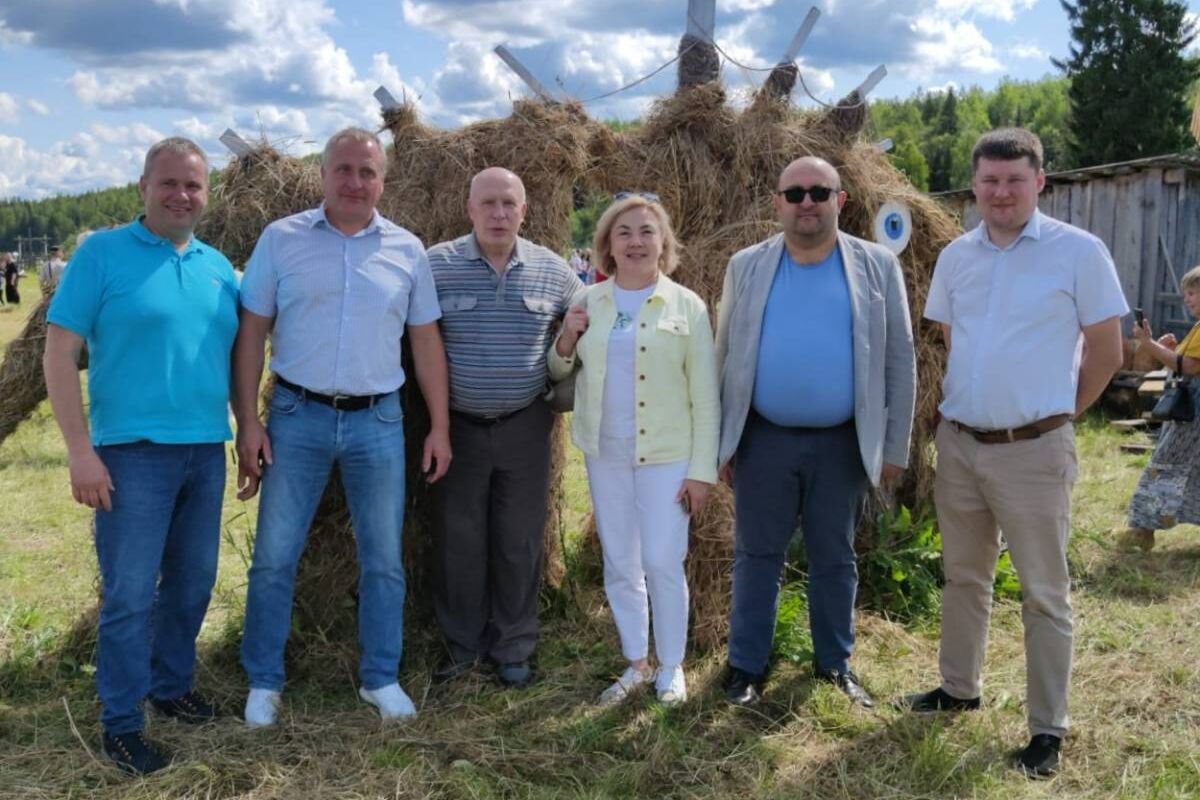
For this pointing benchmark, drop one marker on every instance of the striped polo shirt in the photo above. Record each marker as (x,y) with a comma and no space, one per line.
(497,328)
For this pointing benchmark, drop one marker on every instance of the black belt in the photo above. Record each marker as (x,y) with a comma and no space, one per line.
(487,421)
(339,402)
(1033,430)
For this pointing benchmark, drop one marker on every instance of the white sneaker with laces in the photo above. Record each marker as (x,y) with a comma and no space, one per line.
(630,679)
(261,708)
(391,701)
(671,686)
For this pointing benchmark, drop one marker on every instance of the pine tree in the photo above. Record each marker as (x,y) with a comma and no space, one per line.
(1129,78)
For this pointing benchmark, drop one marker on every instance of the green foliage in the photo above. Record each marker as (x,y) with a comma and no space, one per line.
(61,218)
(933,133)
(793,641)
(901,574)
(583,220)
(1130,78)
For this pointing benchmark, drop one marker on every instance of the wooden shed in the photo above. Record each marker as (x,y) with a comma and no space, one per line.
(1148,213)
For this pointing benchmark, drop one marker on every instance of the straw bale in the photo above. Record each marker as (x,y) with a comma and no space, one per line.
(698,62)
(22,383)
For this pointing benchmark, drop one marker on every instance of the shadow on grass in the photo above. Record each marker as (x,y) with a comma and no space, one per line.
(1143,578)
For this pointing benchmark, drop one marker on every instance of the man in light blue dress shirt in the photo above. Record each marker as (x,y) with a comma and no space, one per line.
(336,287)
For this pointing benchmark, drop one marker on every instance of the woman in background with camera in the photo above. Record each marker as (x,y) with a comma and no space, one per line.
(1168,493)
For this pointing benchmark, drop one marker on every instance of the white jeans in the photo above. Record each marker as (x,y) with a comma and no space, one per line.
(644,537)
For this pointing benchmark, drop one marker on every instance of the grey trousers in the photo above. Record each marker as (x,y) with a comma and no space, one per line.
(489,514)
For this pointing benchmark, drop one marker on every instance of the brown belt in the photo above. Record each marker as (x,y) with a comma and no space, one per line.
(1031,431)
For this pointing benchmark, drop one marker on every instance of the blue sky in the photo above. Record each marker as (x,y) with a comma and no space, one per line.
(85,87)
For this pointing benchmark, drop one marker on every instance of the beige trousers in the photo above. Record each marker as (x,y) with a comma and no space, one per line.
(1023,489)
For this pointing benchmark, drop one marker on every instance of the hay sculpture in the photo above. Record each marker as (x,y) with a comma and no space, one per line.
(714,168)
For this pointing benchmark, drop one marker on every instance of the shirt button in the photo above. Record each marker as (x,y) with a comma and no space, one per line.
(643,324)
(642,431)
(643,348)
(642,460)
(641,403)
(641,377)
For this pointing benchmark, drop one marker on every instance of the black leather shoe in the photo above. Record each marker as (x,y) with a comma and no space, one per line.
(1040,758)
(850,685)
(743,688)
(451,670)
(937,700)
(132,753)
(190,708)
(515,674)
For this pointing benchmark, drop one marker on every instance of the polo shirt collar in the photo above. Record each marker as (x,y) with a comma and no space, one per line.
(319,218)
(1032,230)
(138,226)
(520,253)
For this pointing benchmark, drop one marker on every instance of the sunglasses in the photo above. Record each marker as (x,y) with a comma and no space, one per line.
(795,194)
(651,196)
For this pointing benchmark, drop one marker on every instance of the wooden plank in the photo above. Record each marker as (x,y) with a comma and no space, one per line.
(1081,201)
(1127,425)
(1061,204)
(1151,259)
(1127,234)
(1104,200)
(801,36)
(516,66)
(1136,447)
(702,15)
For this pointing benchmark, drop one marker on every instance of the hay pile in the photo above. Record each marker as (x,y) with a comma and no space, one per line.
(22,383)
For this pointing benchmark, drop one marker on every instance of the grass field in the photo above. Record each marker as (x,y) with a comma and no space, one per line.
(1135,712)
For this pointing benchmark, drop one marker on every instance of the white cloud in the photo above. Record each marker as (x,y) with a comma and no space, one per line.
(37,107)
(947,45)
(65,167)
(8,108)
(1030,52)
(1005,10)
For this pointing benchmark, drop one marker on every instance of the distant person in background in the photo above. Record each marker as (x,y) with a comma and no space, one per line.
(1168,493)
(12,277)
(51,272)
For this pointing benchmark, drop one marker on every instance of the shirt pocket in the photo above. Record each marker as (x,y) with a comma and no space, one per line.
(541,305)
(677,326)
(458,302)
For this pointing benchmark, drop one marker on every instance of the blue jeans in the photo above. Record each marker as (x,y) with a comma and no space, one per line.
(157,551)
(307,439)
(814,475)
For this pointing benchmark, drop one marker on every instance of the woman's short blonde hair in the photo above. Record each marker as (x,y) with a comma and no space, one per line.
(603,260)
(1190,279)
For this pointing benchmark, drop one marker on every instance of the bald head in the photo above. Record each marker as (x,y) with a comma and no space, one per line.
(493,177)
(809,170)
(496,206)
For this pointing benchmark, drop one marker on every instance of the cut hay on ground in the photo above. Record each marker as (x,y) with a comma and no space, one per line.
(22,382)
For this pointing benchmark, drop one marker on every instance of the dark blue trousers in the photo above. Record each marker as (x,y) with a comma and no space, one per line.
(781,476)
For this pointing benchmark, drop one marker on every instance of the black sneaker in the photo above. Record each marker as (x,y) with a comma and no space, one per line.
(190,708)
(1040,758)
(850,685)
(515,674)
(743,688)
(937,700)
(132,753)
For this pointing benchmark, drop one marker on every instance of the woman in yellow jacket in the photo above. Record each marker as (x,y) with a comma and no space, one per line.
(647,420)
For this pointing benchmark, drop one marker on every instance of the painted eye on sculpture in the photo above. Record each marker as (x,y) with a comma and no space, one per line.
(893,226)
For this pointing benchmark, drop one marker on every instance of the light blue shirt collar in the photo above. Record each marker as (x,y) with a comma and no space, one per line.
(138,226)
(319,218)
(1032,230)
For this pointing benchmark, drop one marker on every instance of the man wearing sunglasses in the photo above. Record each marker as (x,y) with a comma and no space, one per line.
(817,379)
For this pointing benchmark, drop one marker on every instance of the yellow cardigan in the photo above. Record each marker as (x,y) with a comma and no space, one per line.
(678,402)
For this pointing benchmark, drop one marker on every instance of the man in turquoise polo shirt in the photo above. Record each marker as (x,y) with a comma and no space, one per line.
(158,310)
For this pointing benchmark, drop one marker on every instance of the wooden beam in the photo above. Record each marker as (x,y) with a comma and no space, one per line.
(386,99)
(702,19)
(801,36)
(524,74)
(877,74)
(235,143)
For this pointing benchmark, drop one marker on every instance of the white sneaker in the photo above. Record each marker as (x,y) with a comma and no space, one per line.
(391,701)
(261,707)
(630,679)
(671,686)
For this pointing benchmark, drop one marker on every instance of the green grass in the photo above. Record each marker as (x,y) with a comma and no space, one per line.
(1135,729)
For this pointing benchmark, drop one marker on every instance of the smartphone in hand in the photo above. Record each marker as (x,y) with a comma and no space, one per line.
(1139,316)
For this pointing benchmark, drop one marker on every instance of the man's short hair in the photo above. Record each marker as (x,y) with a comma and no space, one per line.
(177,145)
(1008,144)
(354,134)
(1190,279)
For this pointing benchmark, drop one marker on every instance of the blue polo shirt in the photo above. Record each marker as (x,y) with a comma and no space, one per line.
(805,372)
(159,327)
